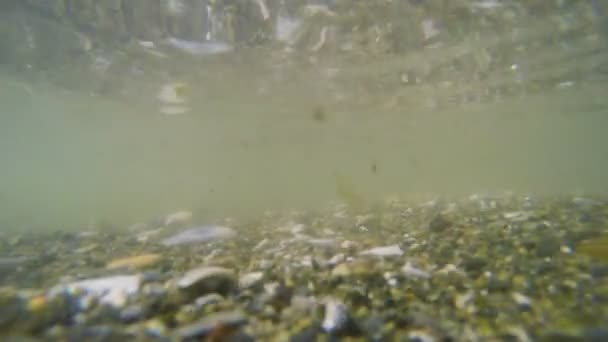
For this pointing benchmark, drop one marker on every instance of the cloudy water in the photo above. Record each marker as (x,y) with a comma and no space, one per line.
(70,159)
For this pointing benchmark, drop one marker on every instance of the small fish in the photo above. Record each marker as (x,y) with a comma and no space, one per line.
(336,316)
(199,48)
(199,235)
(348,193)
(173,93)
(175,7)
(178,217)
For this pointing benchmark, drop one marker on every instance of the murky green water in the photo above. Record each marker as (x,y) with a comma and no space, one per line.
(70,159)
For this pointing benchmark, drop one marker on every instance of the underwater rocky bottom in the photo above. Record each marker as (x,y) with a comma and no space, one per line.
(504,268)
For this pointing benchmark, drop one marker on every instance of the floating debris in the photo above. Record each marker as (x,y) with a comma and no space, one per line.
(200,235)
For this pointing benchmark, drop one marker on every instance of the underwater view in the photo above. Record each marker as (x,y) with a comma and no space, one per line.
(304,170)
